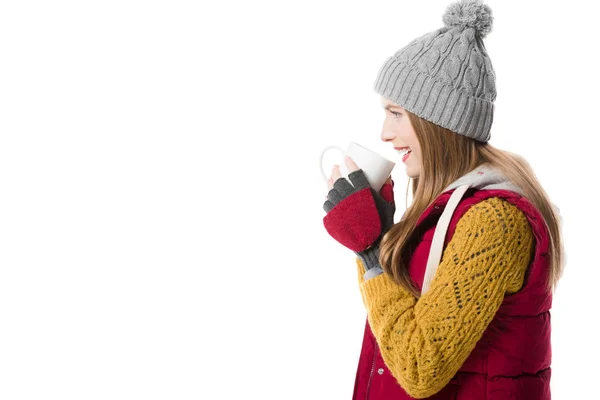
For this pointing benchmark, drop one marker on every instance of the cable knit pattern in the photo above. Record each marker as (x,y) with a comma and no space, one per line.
(425,342)
(446,76)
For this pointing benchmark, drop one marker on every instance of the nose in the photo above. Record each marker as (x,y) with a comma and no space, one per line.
(387,136)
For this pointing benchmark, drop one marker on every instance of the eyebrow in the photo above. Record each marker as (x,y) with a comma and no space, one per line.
(390,106)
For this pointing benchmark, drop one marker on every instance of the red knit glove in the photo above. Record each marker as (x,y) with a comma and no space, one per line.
(356,215)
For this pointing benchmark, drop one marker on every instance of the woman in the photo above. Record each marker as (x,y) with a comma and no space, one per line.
(457,292)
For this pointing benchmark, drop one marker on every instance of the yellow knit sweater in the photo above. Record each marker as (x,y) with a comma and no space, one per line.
(424,342)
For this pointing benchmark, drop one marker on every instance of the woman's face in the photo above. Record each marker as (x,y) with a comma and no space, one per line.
(398,131)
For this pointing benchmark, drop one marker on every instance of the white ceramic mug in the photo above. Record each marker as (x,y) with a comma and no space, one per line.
(376,167)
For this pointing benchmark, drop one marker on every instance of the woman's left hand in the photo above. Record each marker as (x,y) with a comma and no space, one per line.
(356,215)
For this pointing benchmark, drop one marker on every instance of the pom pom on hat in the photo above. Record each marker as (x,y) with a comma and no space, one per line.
(469,14)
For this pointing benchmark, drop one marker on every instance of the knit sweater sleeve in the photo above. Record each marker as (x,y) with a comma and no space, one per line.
(424,342)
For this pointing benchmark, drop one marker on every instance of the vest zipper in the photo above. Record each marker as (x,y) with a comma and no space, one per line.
(371,374)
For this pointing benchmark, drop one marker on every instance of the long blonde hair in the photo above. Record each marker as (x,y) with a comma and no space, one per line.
(446,156)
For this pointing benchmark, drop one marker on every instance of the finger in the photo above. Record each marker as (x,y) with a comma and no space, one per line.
(344,187)
(334,196)
(358,179)
(335,174)
(328,206)
(329,184)
(350,164)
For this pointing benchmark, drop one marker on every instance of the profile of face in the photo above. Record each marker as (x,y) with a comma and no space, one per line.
(398,131)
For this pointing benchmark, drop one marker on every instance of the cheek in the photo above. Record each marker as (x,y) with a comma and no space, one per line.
(411,139)
(406,137)
(419,156)
(406,133)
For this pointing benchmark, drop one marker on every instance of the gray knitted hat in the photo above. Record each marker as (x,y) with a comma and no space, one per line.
(446,76)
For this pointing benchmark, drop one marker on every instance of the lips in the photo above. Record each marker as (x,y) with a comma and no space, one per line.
(405,151)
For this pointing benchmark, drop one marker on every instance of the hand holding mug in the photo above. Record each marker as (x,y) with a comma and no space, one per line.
(357,216)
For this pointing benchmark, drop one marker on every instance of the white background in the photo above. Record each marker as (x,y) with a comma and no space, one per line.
(161,211)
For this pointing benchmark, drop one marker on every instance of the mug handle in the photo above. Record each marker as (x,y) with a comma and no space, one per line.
(325,150)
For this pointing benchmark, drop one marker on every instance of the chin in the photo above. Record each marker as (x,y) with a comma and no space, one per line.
(412,173)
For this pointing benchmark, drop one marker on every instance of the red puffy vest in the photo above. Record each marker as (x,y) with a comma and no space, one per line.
(512,359)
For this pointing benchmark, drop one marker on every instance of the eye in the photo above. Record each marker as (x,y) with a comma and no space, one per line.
(395,113)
